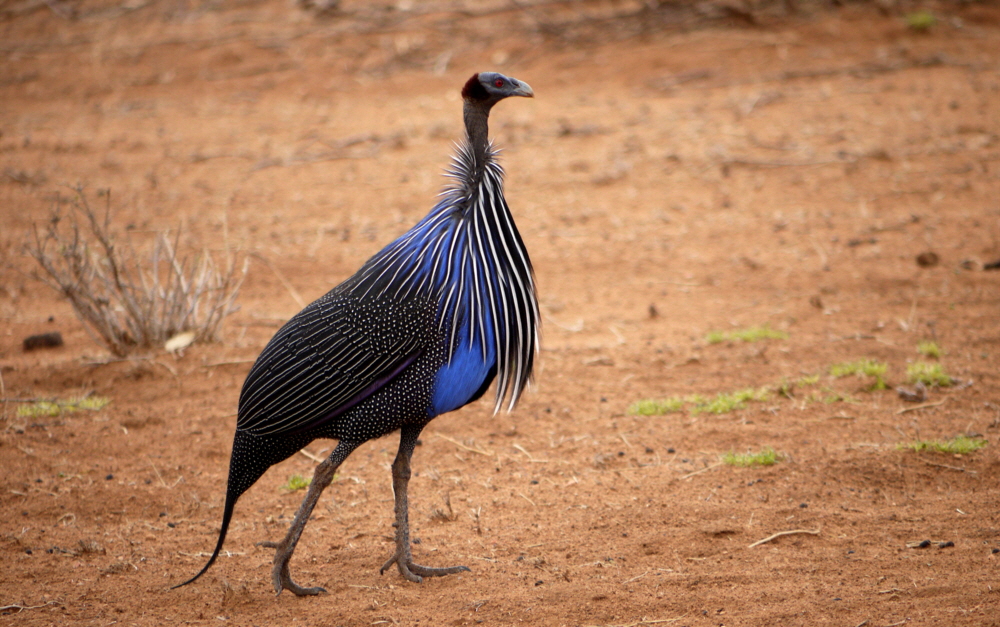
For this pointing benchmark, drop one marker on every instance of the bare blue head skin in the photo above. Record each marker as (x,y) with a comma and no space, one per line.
(480,93)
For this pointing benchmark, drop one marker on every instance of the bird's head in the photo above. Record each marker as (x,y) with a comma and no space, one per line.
(489,88)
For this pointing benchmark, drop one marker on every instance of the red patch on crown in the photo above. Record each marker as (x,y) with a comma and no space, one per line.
(474,90)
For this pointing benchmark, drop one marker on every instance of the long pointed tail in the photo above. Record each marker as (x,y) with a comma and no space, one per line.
(250,459)
(227,515)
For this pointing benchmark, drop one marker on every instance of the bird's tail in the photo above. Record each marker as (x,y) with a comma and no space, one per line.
(243,473)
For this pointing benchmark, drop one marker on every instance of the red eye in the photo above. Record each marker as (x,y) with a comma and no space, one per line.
(498,82)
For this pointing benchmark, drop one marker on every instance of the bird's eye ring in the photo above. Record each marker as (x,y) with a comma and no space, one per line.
(498,82)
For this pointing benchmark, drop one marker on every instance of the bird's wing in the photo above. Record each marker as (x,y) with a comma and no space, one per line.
(332,355)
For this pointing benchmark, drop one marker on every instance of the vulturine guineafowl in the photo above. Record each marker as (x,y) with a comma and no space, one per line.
(423,328)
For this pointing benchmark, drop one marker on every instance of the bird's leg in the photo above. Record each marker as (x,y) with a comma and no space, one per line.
(402,557)
(322,477)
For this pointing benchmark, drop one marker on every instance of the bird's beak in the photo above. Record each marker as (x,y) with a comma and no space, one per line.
(523,89)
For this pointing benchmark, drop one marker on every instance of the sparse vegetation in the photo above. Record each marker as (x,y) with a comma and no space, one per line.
(960,445)
(57,407)
(928,374)
(721,403)
(787,387)
(920,20)
(862,368)
(753,334)
(726,402)
(766,457)
(656,407)
(929,348)
(124,302)
(296,483)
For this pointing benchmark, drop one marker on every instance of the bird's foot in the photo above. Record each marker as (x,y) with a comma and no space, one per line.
(280,577)
(416,572)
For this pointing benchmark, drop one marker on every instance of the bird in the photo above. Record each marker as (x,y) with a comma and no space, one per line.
(423,328)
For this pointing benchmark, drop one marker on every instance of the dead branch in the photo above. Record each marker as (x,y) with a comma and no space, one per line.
(814,532)
(126,302)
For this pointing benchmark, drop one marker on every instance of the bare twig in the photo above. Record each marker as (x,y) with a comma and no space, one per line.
(645,621)
(636,578)
(814,532)
(946,466)
(229,363)
(21,608)
(157,471)
(530,457)
(464,447)
(315,458)
(924,406)
(281,277)
(698,472)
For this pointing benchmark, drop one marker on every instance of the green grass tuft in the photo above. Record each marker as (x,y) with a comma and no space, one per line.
(721,403)
(787,387)
(920,20)
(862,368)
(656,407)
(928,348)
(833,396)
(296,483)
(928,374)
(753,334)
(809,380)
(726,402)
(960,445)
(57,407)
(766,457)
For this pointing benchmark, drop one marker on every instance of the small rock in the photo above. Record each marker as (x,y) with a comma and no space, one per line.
(917,395)
(928,259)
(43,340)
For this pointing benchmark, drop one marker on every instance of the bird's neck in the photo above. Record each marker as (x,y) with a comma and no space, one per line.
(477,130)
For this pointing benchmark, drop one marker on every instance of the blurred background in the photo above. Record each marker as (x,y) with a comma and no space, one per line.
(718,196)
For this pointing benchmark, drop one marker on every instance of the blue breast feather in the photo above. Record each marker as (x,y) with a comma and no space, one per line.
(460,378)
(467,257)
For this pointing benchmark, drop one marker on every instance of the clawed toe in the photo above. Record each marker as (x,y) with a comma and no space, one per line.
(416,572)
(280,576)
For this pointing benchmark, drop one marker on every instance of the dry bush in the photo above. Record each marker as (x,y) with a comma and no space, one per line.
(126,302)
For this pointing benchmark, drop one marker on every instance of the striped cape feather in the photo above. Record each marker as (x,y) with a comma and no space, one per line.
(465,262)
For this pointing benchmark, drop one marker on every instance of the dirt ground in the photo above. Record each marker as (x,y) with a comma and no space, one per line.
(671,178)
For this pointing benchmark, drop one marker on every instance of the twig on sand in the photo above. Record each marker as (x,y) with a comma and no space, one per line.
(315,458)
(814,532)
(698,472)
(958,468)
(464,447)
(281,279)
(157,471)
(645,621)
(637,577)
(531,458)
(924,406)
(20,608)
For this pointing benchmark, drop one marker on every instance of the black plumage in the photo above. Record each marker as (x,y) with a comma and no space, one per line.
(423,328)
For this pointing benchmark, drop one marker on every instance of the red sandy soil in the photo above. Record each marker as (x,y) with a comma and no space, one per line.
(669,181)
